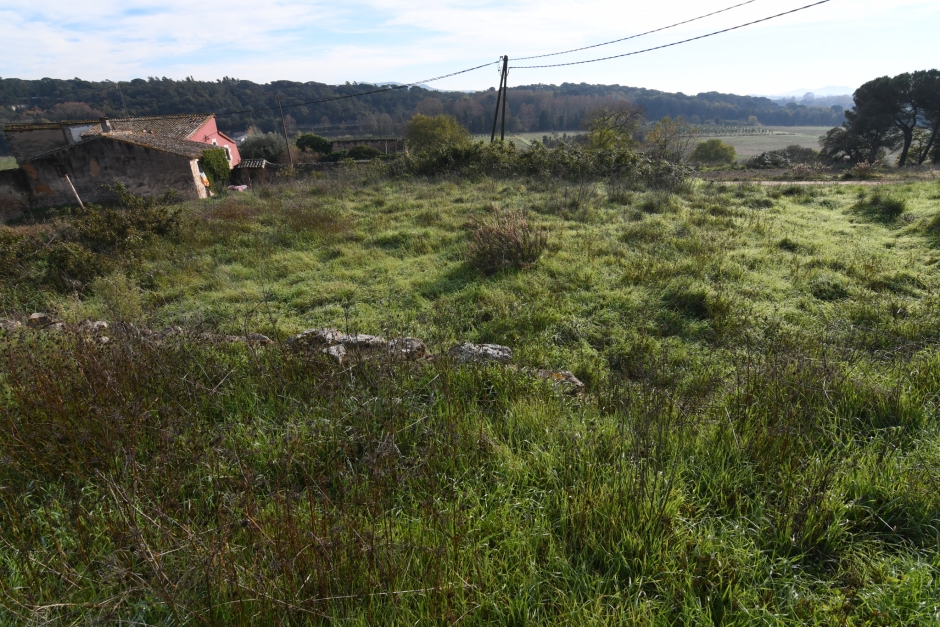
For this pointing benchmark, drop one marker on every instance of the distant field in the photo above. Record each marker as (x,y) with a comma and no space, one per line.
(747,145)
(751,145)
(7,163)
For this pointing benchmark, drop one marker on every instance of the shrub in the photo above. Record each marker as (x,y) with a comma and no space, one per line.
(671,140)
(800,154)
(69,266)
(506,241)
(769,160)
(314,143)
(713,152)
(428,132)
(573,163)
(268,146)
(363,152)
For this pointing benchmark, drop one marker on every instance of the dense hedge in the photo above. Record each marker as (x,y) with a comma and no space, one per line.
(562,161)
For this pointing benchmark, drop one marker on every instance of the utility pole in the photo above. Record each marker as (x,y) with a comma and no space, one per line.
(499,98)
(284,126)
(502,133)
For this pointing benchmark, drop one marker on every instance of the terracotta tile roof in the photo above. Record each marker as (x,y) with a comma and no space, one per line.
(177,126)
(53,151)
(182,147)
(172,145)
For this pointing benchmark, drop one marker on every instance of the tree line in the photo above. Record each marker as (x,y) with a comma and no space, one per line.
(890,114)
(541,108)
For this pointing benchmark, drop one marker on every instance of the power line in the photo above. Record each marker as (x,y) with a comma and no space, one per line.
(649,32)
(365,93)
(675,43)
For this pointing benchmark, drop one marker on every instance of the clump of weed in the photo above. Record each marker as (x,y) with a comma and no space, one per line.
(759,203)
(659,202)
(933,226)
(828,288)
(695,302)
(505,240)
(69,266)
(789,245)
(317,219)
(883,206)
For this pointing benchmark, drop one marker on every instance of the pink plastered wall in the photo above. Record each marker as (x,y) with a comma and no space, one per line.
(209,133)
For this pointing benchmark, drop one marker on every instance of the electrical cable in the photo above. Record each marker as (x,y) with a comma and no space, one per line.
(675,43)
(649,32)
(365,93)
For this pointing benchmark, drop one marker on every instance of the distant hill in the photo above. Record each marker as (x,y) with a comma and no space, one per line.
(830,90)
(540,108)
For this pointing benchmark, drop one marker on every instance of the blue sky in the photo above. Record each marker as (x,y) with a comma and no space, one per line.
(844,42)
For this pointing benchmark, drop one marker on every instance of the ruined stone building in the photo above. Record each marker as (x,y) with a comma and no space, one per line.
(149,155)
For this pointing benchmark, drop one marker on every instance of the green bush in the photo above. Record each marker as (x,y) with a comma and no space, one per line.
(363,152)
(215,164)
(573,163)
(69,266)
(428,132)
(86,247)
(713,152)
(314,143)
(268,146)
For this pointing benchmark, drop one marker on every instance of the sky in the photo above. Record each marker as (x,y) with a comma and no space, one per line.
(842,42)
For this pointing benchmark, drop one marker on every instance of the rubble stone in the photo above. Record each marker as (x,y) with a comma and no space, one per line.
(257,338)
(9,325)
(337,351)
(409,347)
(562,378)
(92,326)
(316,338)
(480,353)
(361,340)
(39,320)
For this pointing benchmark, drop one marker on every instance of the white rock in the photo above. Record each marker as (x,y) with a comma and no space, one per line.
(337,351)
(562,378)
(410,347)
(92,326)
(9,325)
(480,353)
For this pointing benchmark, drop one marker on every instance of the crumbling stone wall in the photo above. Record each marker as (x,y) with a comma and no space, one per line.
(14,194)
(93,164)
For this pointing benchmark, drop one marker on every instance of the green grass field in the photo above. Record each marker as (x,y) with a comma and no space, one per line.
(783,136)
(747,145)
(758,443)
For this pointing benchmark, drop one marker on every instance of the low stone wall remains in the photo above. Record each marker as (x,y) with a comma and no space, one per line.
(14,194)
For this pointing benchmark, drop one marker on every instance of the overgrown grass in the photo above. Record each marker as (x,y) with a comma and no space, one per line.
(758,443)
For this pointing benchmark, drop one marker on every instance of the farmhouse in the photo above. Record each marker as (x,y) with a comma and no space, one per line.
(149,155)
